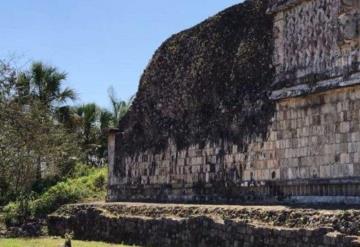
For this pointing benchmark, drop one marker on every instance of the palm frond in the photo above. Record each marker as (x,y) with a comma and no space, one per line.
(66,94)
(106,118)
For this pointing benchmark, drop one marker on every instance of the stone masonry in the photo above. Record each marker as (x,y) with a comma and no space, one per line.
(232,226)
(315,39)
(312,146)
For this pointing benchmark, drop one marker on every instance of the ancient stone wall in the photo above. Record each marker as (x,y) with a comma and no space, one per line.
(315,39)
(151,225)
(312,137)
(312,143)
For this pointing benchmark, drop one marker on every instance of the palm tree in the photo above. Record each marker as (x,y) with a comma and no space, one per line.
(106,119)
(67,115)
(44,83)
(88,114)
(93,121)
(119,107)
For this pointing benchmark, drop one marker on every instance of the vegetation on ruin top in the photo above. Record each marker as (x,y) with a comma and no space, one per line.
(207,83)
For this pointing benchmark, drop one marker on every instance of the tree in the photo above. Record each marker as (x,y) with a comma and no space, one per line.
(44,83)
(88,122)
(119,107)
(32,144)
(7,79)
(93,121)
(89,116)
(41,137)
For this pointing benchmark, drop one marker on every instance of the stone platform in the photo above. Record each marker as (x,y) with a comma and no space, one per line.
(208,225)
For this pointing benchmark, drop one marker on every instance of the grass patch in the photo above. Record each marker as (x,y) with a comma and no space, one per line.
(51,242)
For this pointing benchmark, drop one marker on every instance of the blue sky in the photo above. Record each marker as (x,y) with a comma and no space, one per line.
(100,43)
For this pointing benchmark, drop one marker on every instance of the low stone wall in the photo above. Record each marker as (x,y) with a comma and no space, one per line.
(179,225)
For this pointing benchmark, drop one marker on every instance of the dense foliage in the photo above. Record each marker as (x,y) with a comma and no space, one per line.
(208,83)
(42,139)
(84,184)
(33,145)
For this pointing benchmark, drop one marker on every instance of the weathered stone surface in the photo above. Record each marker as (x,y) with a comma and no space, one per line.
(179,225)
(314,138)
(207,83)
(230,128)
(315,40)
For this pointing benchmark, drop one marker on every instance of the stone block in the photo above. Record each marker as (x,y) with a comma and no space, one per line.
(344,127)
(344,158)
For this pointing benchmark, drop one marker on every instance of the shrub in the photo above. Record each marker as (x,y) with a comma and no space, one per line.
(99,181)
(81,170)
(12,214)
(42,185)
(84,184)
(4,191)
(18,212)
(58,195)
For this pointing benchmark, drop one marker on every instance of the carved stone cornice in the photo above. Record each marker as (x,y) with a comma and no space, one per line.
(321,86)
